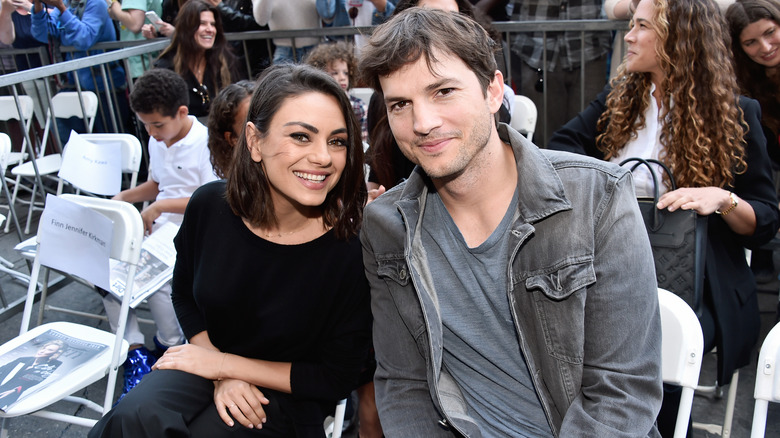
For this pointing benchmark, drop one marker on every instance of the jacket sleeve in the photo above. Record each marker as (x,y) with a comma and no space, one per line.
(621,389)
(380,17)
(755,185)
(579,134)
(327,9)
(261,10)
(403,397)
(83,33)
(234,20)
(44,23)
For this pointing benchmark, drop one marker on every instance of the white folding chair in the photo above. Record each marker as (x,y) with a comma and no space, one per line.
(682,345)
(524,116)
(127,235)
(333,425)
(767,381)
(64,105)
(5,157)
(9,111)
(131,154)
(5,265)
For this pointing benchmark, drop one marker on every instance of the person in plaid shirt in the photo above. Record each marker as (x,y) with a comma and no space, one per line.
(563,61)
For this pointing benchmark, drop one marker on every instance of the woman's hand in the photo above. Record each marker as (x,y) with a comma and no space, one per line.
(242,400)
(192,359)
(166,29)
(375,193)
(703,200)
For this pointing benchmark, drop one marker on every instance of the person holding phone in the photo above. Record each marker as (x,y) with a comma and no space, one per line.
(82,24)
(156,26)
(130,15)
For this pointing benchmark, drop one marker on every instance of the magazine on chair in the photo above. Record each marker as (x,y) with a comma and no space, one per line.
(155,267)
(40,363)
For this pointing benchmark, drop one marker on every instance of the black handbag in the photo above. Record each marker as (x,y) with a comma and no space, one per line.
(678,239)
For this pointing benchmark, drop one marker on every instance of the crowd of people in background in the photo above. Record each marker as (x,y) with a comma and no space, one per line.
(239,120)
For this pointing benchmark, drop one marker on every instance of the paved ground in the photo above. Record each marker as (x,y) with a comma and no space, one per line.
(705,410)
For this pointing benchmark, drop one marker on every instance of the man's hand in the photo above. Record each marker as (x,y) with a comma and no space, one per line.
(58,4)
(149,215)
(148,31)
(22,4)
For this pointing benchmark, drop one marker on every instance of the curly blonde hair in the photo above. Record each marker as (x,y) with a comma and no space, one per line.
(703,131)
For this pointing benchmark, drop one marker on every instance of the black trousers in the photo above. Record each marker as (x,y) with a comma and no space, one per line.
(170,403)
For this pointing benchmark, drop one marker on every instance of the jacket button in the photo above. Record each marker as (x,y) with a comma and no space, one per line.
(443,424)
(402,274)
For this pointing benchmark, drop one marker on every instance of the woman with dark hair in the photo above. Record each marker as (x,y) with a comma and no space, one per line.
(693,120)
(227,119)
(268,285)
(199,52)
(755,41)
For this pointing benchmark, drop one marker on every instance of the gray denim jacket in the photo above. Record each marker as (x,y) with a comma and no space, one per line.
(583,298)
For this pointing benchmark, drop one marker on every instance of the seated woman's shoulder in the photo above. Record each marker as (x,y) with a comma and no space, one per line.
(207,193)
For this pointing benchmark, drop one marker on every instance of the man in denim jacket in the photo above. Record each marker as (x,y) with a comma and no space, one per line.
(513,289)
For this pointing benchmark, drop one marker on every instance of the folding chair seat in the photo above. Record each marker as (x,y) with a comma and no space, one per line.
(682,345)
(63,105)
(767,381)
(126,236)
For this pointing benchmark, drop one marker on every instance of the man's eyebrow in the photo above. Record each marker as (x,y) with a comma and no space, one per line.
(430,87)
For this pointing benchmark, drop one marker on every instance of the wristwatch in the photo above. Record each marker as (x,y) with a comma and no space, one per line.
(734,203)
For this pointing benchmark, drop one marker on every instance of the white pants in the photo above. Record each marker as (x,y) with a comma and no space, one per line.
(168,331)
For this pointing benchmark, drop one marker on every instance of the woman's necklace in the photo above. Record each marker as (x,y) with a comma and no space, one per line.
(200,68)
(288,233)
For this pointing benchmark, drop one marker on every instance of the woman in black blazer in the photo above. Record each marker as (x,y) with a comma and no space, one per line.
(689,116)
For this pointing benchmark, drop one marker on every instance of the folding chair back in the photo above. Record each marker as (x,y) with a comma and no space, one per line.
(131,152)
(65,104)
(10,111)
(524,116)
(767,381)
(127,236)
(682,345)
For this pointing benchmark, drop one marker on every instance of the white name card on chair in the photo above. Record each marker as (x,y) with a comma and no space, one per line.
(94,168)
(69,228)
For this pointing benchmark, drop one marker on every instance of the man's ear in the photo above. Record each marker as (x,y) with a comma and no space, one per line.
(495,92)
(182,112)
(254,142)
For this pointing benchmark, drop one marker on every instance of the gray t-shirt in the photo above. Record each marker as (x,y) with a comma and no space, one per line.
(481,349)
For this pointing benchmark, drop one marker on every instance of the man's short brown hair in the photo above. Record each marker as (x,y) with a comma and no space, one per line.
(420,32)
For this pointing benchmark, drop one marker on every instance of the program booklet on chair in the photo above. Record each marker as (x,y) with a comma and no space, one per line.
(155,267)
(40,363)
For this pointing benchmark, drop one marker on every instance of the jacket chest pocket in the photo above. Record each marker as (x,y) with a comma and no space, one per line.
(395,273)
(559,300)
